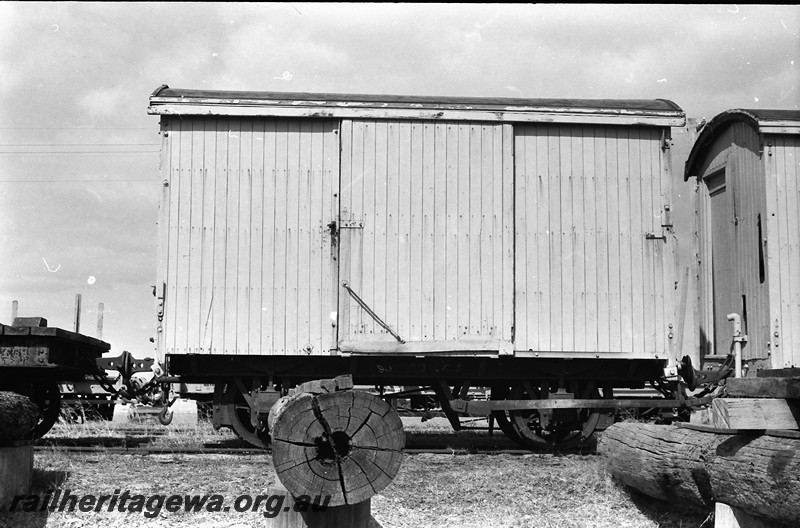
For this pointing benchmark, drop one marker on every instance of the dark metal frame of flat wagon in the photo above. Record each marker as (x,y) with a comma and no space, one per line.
(34,358)
(576,393)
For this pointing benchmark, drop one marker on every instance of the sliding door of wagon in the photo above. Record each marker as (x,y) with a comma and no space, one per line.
(593,250)
(426,231)
(247,258)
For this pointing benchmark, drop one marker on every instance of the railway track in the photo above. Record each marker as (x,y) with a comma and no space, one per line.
(151,442)
(157,441)
(214,450)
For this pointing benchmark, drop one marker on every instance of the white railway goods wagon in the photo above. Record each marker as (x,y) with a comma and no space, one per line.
(322,224)
(440,244)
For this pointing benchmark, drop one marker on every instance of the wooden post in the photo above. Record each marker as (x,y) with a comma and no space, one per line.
(18,416)
(100,310)
(77,326)
(728,517)
(331,440)
(16,470)
(291,513)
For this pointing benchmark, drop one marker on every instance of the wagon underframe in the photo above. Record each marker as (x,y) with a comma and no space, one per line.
(542,403)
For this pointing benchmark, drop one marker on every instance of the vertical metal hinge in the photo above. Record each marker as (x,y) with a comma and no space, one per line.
(161,300)
(666,220)
(665,142)
(761,148)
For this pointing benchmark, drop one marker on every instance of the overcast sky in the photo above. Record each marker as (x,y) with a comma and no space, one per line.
(78,152)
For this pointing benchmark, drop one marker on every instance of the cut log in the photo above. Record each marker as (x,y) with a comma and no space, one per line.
(345,444)
(18,416)
(755,472)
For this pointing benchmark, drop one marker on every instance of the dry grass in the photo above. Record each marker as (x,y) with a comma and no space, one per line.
(536,490)
(157,435)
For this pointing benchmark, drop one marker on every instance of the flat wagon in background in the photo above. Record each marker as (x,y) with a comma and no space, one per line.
(444,243)
(34,358)
(747,166)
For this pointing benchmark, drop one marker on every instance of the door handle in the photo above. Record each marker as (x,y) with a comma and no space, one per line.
(333,229)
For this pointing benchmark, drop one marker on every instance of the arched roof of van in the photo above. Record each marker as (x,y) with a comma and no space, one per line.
(652,112)
(762,121)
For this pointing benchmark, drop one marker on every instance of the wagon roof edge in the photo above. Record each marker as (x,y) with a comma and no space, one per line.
(186,98)
(763,121)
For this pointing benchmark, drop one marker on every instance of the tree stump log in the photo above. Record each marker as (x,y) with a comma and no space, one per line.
(756,472)
(18,416)
(331,440)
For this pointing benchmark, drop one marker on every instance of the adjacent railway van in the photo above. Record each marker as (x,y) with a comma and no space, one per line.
(439,242)
(747,166)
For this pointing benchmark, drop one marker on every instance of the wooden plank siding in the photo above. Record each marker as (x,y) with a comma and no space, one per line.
(247,255)
(781,162)
(751,298)
(587,279)
(459,235)
(432,254)
(753,154)
(744,282)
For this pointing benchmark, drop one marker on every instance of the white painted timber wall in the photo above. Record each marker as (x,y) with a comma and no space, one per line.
(782,160)
(434,258)
(244,248)
(460,236)
(588,279)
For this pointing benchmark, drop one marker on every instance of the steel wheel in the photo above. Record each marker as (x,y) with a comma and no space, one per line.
(502,417)
(48,398)
(553,431)
(238,411)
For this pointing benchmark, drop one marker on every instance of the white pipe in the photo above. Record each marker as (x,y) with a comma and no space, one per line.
(738,339)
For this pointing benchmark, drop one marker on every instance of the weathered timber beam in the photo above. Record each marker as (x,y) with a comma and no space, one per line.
(779,373)
(337,112)
(781,433)
(756,473)
(476,347)
(25,356)
(487,407)
(750,414)
(786,388)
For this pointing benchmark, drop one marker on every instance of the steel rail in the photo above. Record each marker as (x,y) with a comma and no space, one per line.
(152,450)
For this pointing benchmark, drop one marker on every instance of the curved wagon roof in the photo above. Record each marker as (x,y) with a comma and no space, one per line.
(655,112)
(762,121)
